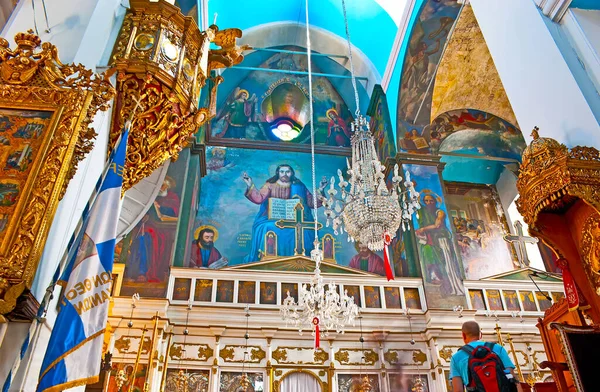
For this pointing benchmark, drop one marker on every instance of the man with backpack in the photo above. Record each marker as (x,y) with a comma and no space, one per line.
(481,367)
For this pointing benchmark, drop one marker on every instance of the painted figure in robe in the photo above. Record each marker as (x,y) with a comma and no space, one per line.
(435,242)
(367,260)
(282,185)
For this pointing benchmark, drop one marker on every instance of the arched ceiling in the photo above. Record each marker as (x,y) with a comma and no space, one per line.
(373,23)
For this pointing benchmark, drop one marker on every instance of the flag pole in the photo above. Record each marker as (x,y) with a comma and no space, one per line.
(137,360)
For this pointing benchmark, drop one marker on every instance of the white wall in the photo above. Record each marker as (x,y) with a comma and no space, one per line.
(538,81)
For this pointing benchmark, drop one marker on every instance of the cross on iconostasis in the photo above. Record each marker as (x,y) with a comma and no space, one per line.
(299,225)
(520,241)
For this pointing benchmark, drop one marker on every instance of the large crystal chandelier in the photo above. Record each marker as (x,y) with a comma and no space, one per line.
(319,306)
(368,211)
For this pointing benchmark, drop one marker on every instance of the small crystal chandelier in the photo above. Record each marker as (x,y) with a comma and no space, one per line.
(319,305)
(368,211)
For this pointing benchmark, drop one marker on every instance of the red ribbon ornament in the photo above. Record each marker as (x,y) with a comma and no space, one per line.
(387,239)
(317,333)
(571,291)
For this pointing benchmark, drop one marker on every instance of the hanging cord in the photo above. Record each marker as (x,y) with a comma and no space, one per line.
(312,128)
(350,58)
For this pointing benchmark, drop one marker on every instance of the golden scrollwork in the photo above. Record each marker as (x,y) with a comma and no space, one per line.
(446,353)
(227,353)
(320,356)
(205,352)
(163,61)
(257,354)
(590,249)
(342,356)
(179,351)
(392,356)
(552,177)
(369,356)
(48,106)
(280,355)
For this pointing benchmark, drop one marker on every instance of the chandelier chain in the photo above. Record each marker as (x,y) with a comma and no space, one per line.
(312,128)
(350,58)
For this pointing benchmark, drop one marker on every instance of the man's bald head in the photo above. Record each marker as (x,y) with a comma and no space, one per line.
(471,331)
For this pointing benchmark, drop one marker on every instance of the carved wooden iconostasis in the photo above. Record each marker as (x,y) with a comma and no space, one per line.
(559,201)
(46,108)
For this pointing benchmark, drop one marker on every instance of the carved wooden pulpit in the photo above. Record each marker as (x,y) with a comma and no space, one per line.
(560,201)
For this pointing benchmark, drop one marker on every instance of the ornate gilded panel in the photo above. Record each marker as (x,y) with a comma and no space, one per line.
(405,357)
(300,355)
(46,108)
(191,352)
(124,344)
(356,356)
(235,354)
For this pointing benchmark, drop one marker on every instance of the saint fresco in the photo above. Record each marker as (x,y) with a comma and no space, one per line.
(442,269)
(477,219)
(148,249)
(266,106)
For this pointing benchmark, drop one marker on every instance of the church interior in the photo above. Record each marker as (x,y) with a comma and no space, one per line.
(310,196)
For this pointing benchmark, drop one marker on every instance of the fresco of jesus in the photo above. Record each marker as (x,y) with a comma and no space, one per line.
(282,185)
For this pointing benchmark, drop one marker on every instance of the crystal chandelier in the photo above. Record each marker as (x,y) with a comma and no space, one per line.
(368,211)
(319,305)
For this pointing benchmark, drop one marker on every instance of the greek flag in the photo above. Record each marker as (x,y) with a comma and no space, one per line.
(74,351)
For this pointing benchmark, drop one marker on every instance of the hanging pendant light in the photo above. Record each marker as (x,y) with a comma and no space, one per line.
(369,211)
(320,307)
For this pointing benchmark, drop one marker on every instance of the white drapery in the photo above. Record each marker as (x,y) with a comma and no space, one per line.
(300,382)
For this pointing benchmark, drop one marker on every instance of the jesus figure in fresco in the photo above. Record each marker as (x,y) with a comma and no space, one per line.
(283,185)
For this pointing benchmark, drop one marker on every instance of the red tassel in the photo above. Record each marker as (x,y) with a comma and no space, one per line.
(571,290)
(387,239)
(317,333)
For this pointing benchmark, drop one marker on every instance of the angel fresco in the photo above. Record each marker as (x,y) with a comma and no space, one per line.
(236,115)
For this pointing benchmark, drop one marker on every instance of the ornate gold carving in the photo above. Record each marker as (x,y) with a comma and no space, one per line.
(590,249)
(552,177)
(369,355)
(257,354)
(61,101)
(392,357)
(227,354)
(205,352)
(419,357)
(123,344)
(278,373)
(342,356)
(163,61)
(322,373)
(179,351)
(280,355)
(467,77)
(446,353)
(320,356)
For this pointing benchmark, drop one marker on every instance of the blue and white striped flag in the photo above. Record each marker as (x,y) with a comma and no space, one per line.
(75,348)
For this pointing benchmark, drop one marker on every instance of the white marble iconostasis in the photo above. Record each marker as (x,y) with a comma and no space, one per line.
(213,351)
